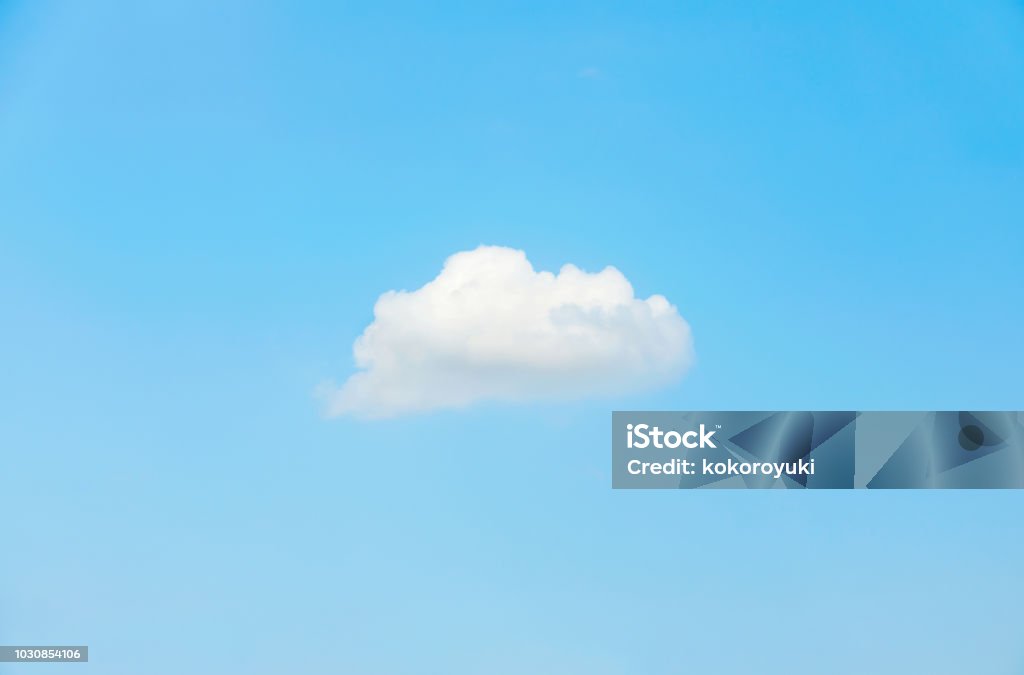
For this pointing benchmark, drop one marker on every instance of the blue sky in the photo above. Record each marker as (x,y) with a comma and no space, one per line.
(199,206)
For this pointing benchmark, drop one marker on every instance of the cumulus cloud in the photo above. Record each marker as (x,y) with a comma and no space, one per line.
(490,327)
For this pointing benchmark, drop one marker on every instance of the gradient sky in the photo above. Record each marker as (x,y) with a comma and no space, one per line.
(200,203)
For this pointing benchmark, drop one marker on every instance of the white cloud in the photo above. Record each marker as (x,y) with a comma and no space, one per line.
(489,327)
